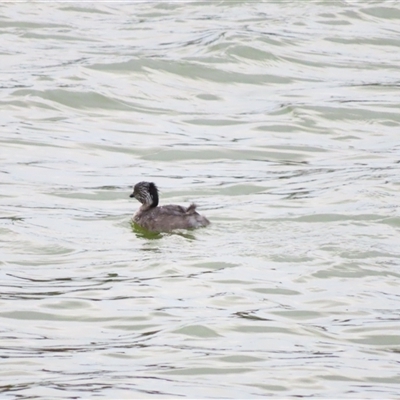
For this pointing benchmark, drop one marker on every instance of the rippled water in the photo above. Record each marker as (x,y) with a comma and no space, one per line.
(280,120)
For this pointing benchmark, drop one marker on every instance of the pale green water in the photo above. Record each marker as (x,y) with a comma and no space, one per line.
(280,120)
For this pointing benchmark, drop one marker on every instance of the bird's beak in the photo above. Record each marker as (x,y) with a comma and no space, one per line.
(132,195)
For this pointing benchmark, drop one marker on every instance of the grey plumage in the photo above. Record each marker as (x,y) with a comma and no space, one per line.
(164,218)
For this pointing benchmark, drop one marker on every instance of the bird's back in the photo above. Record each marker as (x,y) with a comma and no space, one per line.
(169,217)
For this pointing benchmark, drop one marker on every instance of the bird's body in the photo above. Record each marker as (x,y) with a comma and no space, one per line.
(164,218)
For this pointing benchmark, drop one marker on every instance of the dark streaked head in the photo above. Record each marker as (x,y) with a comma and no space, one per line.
(146,193)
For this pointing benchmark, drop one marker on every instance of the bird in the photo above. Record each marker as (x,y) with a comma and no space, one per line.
(155,218)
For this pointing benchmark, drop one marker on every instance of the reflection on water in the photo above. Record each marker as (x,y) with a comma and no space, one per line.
(144,234)
(280,124)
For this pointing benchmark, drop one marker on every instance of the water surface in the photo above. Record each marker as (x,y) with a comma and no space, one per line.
(280,120)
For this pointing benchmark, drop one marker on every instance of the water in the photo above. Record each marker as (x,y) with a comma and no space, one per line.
(280,120)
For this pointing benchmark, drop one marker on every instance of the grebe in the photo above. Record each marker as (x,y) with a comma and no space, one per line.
(164,218)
